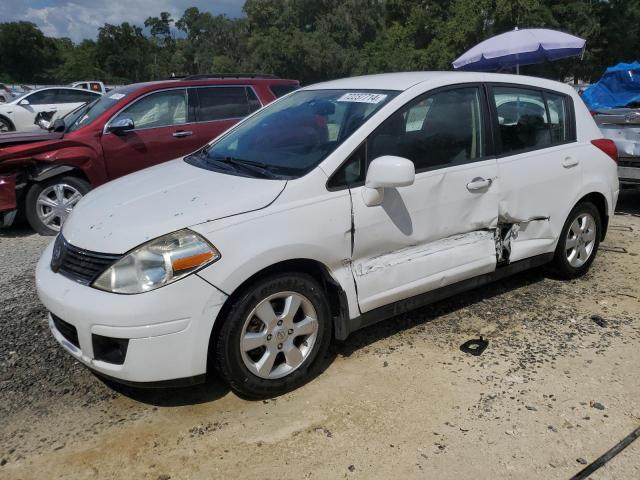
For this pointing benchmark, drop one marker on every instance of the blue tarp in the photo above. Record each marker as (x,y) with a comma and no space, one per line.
(618,87)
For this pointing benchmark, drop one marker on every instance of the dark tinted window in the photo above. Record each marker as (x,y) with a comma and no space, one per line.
(254,103)
(437,130)
(219,103)
(522,119)
(281,90)
(75,96)
(42,97)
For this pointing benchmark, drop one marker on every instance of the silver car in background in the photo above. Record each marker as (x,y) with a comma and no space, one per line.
(622,125)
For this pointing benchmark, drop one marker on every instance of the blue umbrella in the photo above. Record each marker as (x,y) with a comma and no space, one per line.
(520,47)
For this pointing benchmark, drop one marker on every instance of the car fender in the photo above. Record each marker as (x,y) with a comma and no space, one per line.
(288,230)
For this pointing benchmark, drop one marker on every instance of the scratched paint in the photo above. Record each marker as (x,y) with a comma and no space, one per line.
(413,253)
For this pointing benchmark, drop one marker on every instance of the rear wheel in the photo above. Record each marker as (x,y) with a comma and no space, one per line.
(275,336)
(48,204)
(579,241)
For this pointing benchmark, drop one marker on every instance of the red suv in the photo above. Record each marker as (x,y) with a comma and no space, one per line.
(129,128)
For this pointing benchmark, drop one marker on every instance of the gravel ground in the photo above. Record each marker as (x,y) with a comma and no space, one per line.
(556,387)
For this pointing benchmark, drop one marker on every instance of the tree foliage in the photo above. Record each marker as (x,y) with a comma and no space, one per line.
(314,40)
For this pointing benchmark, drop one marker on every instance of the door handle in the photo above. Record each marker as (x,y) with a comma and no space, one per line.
(569,162)
(479,183)
(182,133)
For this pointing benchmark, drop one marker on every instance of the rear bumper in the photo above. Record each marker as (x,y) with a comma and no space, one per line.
(629,170)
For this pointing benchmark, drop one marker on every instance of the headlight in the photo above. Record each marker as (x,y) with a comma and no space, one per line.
(158,263)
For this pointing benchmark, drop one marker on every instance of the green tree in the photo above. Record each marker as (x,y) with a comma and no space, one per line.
(26,55)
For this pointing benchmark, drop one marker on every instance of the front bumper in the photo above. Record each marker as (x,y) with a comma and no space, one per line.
(168,329)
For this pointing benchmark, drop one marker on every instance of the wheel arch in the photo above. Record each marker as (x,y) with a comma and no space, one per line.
(336,296)
(7,119)
(600,201)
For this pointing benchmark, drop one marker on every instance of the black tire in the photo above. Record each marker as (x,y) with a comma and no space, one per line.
(561,265)
(228,356)
(6,125)
(36,189)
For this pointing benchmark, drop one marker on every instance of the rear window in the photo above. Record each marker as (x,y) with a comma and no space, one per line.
(281,90)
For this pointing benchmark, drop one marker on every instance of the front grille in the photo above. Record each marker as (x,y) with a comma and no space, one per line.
(67,330)
(78,264)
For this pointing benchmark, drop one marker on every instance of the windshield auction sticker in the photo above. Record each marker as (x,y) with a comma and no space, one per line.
(116,96)
(362,97)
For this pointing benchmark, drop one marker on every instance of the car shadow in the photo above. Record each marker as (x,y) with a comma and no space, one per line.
(211,390)
(17,230)
(629,202)
(388,328)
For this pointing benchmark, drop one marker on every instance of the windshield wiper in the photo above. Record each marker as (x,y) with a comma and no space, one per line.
(254,167)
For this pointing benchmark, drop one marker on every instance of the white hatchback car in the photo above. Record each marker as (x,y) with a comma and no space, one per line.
(339,205)
(20,113)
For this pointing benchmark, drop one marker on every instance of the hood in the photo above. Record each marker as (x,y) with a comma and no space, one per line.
(16,138)
(139,207)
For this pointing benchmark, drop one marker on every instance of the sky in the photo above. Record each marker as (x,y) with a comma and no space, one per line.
(79,19)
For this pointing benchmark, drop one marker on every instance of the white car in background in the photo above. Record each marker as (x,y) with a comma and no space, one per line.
(337,206)
(20,113)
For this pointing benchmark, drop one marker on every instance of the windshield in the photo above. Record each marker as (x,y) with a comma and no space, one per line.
(86,114)
(290,137)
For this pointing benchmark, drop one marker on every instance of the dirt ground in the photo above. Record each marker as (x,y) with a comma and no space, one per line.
(553,391)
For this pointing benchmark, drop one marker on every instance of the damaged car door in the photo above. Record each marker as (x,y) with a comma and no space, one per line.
(440,229)
(538,165)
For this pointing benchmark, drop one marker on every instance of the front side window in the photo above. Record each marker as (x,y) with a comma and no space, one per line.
(291,136)
(160,109)
(42,97)
(434,131)
(523,123)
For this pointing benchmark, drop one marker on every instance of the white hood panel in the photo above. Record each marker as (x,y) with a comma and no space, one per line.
(122,214)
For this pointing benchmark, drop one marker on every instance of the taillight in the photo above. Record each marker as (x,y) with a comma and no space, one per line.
(607,146)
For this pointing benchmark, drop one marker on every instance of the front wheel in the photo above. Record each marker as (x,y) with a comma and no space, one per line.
(5,125)
(579,241)
(48,204)
(275,336)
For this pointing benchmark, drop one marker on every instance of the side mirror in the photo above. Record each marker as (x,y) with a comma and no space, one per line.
(58,125)
(386,172)
(24,102)
(121,125)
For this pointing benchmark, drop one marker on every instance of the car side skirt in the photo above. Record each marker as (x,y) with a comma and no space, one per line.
(408,304)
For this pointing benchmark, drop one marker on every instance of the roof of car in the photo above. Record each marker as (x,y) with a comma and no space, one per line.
(405,80)
(207,81)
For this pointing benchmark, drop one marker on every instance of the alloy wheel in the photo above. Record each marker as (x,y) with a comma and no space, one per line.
(54,204)
(581,240)
(278,335)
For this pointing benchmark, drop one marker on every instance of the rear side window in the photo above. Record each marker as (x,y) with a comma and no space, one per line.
(75,96)
(558,117)
(530,119)
(434,131)
(220,103)
(281,90)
